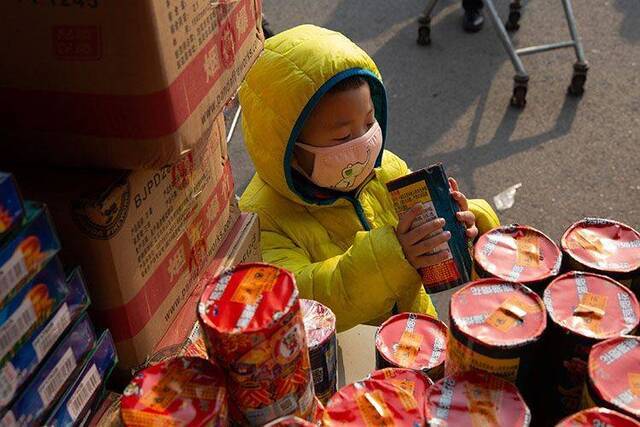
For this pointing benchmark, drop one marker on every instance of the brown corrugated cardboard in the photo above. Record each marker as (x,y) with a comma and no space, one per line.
(142,237)
(242,245)
(119,84)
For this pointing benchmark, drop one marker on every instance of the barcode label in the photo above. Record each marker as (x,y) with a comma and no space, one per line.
(12,273)
(58,376)
(9,377)
(50,334)
(16,326)
(83,393)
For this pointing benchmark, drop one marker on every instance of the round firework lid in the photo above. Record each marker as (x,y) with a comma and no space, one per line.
(614,372)
(603,245)
(375,402)
(518,253)
(475,398)
(247,298)
(180,391)
(319,322)
(591,305)
(400,376)
(498,313)
(412,340)
(598,417)
(289,421)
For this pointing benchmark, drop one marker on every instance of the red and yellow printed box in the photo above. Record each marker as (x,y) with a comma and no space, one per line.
(253,329)
(185,391)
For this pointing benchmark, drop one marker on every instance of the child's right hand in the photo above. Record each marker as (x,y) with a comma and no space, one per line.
(418,248)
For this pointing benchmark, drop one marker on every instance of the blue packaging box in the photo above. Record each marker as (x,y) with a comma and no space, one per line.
(18,369)
(11,206)
(58,370)
(430,188)
(76,404)
(25,252)
(31,307)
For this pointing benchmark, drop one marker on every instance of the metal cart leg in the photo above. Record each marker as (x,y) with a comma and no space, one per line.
(521,79)
(513,23)
(424,30)
(580,68)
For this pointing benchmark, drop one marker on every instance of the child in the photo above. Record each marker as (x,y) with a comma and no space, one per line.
(314,120)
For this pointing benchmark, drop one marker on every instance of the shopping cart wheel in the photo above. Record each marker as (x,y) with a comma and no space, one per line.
(424,35)
(579,78)
(513,23)
(519,98)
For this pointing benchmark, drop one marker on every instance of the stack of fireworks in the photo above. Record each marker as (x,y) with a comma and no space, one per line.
(258,367)
(53,365)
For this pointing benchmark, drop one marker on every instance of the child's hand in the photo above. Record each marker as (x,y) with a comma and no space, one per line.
(465,216)
(417,247)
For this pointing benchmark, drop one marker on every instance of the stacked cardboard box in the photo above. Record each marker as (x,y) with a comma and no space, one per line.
(95,83)
(48,345)
(138,93)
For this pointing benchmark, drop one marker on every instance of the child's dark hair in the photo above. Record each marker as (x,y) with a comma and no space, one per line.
(352,82)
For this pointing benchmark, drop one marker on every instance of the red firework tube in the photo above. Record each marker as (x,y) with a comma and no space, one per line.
(253,328)
(598,417)
(584,309)
(320,327)
(181,391)
(496,326)
(475,399)
(603,246)
(388,399)
(414,341)
(614,376)
(518,253)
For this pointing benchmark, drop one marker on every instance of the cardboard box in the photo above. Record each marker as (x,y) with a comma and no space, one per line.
(76,405)
(242,245)
(107,85)
(142,238)
(108,413)
(11,206)
(33,306)
(17,370)
(25,252)
(57,372)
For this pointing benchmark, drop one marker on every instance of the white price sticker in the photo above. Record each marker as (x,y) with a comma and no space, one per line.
(83,393)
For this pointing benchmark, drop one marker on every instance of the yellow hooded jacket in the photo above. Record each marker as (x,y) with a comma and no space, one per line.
(341,247)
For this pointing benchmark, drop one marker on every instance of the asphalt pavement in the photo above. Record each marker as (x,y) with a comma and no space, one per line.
(449,102)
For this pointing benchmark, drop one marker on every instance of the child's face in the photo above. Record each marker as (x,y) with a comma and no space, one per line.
(338,118)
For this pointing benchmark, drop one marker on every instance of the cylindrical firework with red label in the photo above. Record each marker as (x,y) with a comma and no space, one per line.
(598,417)
(496,326)
(584,309)
(475,398)
(518,253)
(320,327)
(391,397)
(603,246)
(414,341)
(253,329)
(182,391)
(614,375)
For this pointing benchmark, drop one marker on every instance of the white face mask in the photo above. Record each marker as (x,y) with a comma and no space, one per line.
(345,166)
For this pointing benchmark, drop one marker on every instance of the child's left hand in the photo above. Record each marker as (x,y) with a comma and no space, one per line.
(465,216)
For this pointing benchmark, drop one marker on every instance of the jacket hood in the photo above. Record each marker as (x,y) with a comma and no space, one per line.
(296,68)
